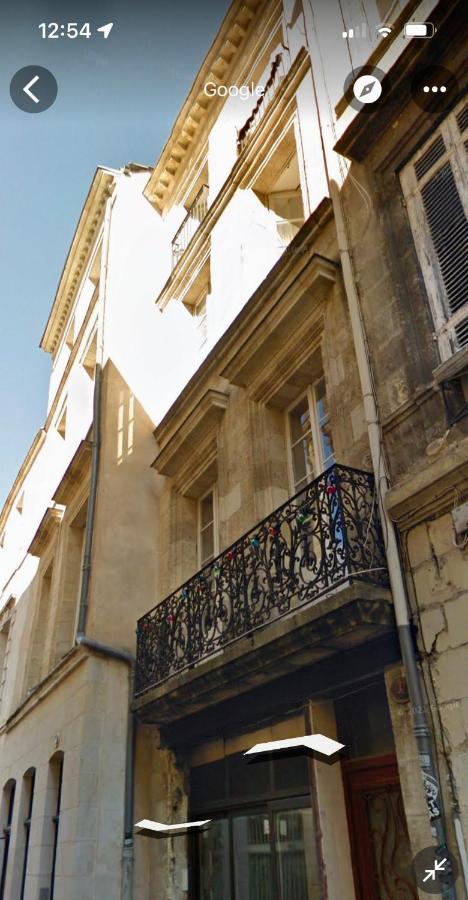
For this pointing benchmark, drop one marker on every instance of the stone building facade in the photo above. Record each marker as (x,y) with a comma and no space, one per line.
(205,475)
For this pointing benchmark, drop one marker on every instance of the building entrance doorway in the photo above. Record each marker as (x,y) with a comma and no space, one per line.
(262,854)
(380,845)
(262,840)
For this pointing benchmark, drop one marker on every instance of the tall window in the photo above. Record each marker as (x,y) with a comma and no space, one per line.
(28,787)
(262,840)
(207,527)
(7,817)
(5,632)
(56,778)
(309,438)
(436,192)
(36,662)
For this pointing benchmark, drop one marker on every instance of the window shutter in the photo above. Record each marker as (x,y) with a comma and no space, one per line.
(435,189)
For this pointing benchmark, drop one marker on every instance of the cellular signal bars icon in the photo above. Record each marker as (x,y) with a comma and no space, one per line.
(359,32)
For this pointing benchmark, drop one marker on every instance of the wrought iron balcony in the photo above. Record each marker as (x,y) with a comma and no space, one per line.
(327,535)
(184,235)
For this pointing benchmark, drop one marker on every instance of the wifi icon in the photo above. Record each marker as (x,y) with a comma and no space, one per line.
(384,30)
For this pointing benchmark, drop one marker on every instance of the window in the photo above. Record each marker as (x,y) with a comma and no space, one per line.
(261,842)
(88,360)
(28,788)
(66,612)
(6,619)
(437,200)
(309,439)
(207,527)
(56,779)
(7,817)
(278,188)
(61,425)
(36,663)
(455,394)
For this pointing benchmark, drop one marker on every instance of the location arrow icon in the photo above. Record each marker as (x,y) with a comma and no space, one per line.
(106,29)
(157,829)
(318,742)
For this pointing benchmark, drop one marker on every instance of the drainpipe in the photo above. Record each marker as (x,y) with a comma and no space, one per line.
(421,725)
(80,638)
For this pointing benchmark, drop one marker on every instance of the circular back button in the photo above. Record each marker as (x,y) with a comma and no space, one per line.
(33,89)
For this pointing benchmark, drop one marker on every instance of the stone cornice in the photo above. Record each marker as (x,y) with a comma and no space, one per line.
(219,62)
(74,475)
(77,258)
(271,356)
(241,175)
(176,438)
(46,530)
(430,492)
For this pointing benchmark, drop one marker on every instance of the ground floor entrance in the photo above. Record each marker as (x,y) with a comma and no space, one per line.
(261,854)
(263,844)
(380,847)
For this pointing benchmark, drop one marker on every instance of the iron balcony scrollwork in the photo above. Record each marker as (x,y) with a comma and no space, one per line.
(328,534)
(185,233)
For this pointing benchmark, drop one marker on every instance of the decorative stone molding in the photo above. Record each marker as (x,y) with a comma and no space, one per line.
(430,492)
(271,359)
(177,439)
(238,24)
(77,259)
(74,475)
(48,527)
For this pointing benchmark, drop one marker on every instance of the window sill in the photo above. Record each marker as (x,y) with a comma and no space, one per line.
(451,367)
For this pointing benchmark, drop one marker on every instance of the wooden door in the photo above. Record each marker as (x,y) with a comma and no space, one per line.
(380,846)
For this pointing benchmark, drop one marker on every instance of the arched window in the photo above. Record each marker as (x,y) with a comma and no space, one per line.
(8,802)
(27,798)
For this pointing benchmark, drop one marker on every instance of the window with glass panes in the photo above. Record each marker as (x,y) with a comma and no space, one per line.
(207,527)
(309,437)
(261,841)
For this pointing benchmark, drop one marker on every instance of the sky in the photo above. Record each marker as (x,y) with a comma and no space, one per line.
(117,100)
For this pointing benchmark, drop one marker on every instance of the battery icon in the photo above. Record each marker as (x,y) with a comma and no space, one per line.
(419,30)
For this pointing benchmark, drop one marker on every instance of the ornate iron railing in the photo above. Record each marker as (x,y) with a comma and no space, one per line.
(326,535)
(185,233)
(277,73)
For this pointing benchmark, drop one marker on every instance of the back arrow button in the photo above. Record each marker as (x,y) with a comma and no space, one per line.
(45,89)
(27,90)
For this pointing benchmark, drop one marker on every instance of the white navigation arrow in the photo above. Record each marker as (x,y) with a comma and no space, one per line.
(157,829)
(106,29)
(28,86)
(318,742)
(438,867)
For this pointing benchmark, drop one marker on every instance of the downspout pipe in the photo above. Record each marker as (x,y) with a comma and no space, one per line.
(421,726)
(81,639)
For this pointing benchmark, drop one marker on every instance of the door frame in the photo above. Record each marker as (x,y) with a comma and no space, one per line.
(368,772)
